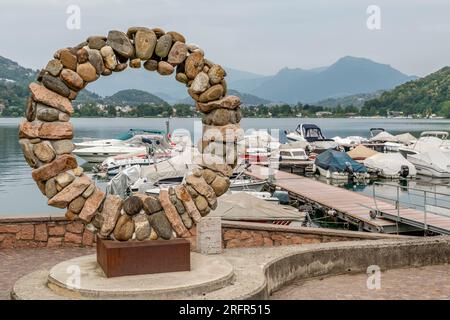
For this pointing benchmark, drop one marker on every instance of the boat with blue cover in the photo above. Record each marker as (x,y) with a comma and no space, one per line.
(338,165)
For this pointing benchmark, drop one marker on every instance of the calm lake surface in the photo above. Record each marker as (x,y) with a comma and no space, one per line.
(19,194)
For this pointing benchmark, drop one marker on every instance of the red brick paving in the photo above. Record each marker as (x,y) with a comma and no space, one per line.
(424,283)
(17,263)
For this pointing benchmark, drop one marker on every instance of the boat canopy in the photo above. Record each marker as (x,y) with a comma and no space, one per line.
(384,136)
(245,207)
(361,152)
(337,161)
(406,138)
(310,132)
(390,163)
(428,143)
(132,132)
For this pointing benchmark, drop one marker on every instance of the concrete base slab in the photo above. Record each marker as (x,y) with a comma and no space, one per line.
(82,277)
(260,271)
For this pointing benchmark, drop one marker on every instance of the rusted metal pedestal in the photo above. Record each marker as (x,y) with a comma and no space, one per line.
(143,257)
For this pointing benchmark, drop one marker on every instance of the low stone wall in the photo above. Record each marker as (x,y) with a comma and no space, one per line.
(351,257)
(38,232)
(57,231)
(238,234)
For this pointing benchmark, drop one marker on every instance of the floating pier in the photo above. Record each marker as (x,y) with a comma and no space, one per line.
(351,206)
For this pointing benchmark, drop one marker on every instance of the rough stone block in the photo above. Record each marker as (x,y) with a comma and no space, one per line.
(209,235)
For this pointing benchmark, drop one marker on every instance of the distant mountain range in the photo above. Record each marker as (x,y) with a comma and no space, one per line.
(348,76)
(163,86)
(358,78)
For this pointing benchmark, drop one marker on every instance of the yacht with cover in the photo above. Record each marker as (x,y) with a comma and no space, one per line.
(430,155)
(390,165)
(338,165)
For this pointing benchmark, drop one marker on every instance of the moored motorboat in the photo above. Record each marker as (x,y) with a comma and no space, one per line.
(313,135)
(291,152)
(120,140)
(350,141)
(99,154)
(136,145)
(390,165)
(338,165)
(429,155)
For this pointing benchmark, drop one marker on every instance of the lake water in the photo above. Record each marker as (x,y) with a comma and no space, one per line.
(19,194)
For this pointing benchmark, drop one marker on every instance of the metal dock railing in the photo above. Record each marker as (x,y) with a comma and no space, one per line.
(430,211)
(353,207)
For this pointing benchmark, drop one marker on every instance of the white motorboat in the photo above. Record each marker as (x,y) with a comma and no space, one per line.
(136,145)
(429,155)
(433,163)
(120,140)
(442,135)
(313,135)
(390,142)
(291,152)
(257,146)
(390,165)
(99,154)
(350,141)
(113,165)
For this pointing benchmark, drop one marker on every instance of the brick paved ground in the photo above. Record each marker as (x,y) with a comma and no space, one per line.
(16,263)
(431,282)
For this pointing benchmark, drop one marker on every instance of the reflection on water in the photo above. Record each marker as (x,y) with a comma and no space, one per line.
(19,194)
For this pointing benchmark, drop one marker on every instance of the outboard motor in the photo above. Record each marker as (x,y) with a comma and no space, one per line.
(404,171)
(349,169)
(148,141)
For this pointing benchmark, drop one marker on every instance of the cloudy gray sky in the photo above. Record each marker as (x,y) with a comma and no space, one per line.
(260,36)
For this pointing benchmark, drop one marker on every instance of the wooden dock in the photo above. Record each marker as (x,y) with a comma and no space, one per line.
(354,207)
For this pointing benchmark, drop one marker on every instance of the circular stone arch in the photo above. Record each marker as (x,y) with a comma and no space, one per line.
(46,134)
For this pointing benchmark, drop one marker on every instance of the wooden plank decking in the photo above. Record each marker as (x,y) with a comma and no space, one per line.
(352,206)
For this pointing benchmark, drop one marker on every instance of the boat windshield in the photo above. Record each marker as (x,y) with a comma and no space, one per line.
(375,131)
(125,136)
(312,133)
(132,132)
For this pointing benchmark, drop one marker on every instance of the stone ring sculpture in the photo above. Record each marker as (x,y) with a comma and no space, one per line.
(45,136)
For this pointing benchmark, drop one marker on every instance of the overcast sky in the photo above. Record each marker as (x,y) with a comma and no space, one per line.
(260,36)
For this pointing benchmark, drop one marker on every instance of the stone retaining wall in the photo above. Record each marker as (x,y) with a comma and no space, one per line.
(238,234)
(43,232)
(57,231)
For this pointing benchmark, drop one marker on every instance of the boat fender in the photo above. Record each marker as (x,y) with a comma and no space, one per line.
(332,213)
(404,171)
(373,214)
